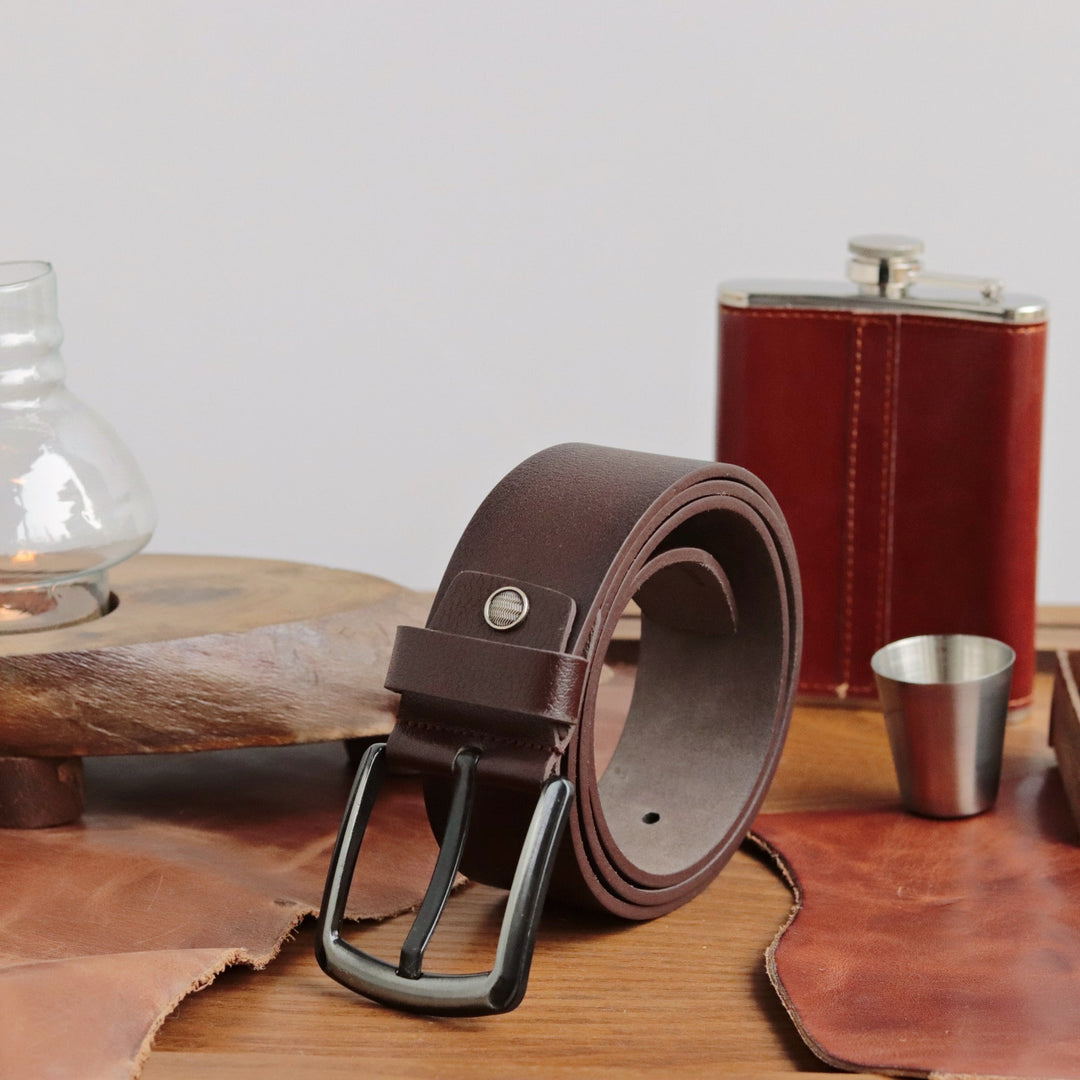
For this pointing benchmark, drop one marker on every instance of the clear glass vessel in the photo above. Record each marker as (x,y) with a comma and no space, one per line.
(73,502)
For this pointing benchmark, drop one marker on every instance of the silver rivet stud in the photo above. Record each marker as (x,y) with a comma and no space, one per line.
(506,608)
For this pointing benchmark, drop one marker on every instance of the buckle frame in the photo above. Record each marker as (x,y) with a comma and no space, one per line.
(407,986)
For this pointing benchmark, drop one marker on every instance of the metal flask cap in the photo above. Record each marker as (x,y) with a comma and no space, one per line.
(886,264)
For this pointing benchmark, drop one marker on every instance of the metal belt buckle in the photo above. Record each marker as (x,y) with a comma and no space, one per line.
(406,986)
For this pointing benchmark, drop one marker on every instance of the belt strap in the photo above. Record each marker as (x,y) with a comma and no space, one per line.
(510,663)
(581,530)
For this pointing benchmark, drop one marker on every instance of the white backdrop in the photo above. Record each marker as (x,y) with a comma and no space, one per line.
(331,269)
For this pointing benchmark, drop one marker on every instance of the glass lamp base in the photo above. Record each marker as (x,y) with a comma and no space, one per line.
(47,608)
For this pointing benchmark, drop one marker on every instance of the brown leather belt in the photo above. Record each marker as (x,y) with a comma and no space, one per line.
(499,693)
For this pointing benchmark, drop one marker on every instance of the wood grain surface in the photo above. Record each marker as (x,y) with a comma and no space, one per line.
(686,995)
(205,653)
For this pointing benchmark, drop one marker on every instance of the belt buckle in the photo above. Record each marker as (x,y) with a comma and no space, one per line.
(406,986)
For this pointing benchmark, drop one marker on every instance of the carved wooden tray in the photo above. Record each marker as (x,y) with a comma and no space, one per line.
(200,653)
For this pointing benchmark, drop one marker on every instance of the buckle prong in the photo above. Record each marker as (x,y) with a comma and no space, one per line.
(442,877)
(407,986)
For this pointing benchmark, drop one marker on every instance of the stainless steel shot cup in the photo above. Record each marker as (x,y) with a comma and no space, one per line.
(945,698)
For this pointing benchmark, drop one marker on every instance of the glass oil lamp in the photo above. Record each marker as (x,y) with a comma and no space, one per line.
(73,502)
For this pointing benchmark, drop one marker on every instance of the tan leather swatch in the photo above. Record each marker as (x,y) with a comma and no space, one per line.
(936,947)
(182,865)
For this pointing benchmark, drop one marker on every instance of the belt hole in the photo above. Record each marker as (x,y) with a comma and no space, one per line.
(651,818)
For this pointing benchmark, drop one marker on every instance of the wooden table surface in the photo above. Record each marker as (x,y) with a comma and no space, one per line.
(686,994)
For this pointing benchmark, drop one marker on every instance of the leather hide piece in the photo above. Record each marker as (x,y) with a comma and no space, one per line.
(182,865)
(922,947)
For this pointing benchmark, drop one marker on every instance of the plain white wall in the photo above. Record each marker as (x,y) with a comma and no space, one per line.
(332,269)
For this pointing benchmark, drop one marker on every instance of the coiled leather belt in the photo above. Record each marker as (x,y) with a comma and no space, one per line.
(498,695)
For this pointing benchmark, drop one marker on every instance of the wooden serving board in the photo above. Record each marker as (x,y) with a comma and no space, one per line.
(200,653)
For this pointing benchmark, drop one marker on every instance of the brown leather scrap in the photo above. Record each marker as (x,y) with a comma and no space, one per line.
(182,865)
(937,948)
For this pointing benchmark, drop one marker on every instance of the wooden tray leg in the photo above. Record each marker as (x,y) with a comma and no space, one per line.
(35,792)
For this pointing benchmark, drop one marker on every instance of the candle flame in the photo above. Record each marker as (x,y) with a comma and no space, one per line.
(24,556)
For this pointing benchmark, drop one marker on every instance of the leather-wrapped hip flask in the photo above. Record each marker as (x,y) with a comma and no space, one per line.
(897,419)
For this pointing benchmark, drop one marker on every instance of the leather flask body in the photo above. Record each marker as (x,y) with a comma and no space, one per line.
(900,431)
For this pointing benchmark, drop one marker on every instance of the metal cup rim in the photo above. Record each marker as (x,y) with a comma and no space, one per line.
(878,662)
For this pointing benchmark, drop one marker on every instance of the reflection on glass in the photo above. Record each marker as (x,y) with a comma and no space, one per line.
(74,502)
